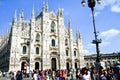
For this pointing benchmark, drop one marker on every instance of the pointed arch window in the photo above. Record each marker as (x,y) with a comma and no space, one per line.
(37,37)
(37,50)
(74,53)
(53,26)
(67,54)
(53,42)
(66,42)
(24,49)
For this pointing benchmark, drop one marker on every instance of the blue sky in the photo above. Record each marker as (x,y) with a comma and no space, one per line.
(107,19)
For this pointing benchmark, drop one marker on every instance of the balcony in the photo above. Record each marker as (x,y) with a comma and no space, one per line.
(53,34)
(76,57)
(68,57)
(53,48)
(24,55)
(37,56)
(37,44)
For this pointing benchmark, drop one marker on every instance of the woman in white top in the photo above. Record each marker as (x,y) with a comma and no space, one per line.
(35,76)
(85,75)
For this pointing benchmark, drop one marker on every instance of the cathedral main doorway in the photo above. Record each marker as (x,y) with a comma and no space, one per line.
(53,63)
(75,65)
(67,66)
(23,66)
(37,66)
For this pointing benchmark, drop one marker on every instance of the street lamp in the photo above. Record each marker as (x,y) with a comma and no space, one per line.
(91,4)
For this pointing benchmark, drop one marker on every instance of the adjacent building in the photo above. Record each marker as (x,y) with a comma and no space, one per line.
(106,60)
(43,42)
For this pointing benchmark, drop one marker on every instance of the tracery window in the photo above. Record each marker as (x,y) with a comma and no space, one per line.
(24,49)
(66,42)
(52,27)
(67,54)
(37,37)
(74,53)
(53,42)
(37,50)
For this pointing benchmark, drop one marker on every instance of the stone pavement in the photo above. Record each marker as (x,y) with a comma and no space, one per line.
(8,78)
(4,78)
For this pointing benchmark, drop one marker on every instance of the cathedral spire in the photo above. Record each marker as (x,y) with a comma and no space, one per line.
(60,12)
(69,24)
(19,20)
(43,7)
(46,6)
(14,18)
(22,14)
(32,15)
(78,34)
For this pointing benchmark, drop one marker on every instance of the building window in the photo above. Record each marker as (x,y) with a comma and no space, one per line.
(37,37)
(66,52)
(66,42)
(74,53)
(24,49)
(37,50)
(75,65)
(53,42)
(52,27)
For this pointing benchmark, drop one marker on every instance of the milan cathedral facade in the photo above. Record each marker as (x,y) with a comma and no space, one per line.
(42,43)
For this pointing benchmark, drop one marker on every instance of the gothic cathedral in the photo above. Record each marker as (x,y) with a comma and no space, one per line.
(43,42)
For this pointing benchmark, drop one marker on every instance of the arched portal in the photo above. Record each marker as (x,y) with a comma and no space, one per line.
(37,66)
(23,66)
(53,63)
(67,66)
(75,65)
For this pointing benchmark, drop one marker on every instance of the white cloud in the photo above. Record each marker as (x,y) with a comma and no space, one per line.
(105,3)
(115,8)
(95,14)
(104,43)
(114,5)
(87,52)
(90,44)
(110,33)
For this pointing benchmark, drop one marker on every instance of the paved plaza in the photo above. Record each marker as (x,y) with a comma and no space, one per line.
(8,78)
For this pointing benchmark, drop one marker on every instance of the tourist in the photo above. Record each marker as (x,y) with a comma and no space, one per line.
(94,74)
(102,74)
(19,76)
(85,75)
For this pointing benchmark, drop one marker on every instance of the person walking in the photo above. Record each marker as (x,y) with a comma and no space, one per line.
(35,75)
(19,76)
(12,76)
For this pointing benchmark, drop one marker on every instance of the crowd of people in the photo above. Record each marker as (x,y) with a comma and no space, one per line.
(110,73)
